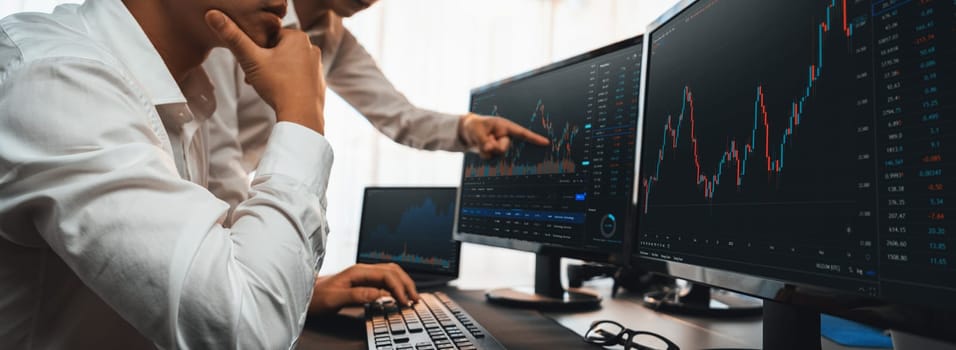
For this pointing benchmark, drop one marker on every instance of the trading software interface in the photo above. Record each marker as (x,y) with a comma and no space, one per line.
(804,140)
(411,227)
(575,191)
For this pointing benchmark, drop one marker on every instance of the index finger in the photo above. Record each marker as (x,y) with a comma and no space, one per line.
(377,276)
(407,281)
(396,288)
(230,34)
(530,136)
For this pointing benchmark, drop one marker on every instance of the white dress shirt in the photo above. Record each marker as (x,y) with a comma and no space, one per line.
(109,237)
(349,71)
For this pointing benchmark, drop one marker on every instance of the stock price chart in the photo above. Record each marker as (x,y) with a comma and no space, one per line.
(576,190)
(409,227)
(807,133)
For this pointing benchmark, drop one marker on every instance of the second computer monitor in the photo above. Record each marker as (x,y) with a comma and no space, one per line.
(573,195)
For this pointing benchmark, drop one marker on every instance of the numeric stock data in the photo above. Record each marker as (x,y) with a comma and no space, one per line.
(812,134)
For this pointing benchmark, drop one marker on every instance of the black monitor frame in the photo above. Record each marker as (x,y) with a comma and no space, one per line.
(787,304)
(548,292)
(619,257)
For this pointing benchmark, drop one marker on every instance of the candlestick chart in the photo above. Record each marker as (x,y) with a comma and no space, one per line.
(773,129)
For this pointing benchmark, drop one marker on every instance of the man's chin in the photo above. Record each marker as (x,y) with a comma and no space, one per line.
(267,39)
(270,41)
(266,34)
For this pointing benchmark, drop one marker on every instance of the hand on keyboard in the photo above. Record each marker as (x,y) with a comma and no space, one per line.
(360,284)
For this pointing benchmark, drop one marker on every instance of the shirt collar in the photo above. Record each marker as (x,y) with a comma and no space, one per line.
(111,23)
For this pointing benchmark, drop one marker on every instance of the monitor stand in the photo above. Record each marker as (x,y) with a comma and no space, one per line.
(788,327)
(548,293)
(698,303)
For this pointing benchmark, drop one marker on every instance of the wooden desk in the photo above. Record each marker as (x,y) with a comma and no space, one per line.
(529,329)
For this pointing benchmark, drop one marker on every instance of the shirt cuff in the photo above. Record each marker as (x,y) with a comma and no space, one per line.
(447,130)
(299,153)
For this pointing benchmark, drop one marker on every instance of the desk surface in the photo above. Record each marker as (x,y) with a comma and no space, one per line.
(688,332)
(529,329)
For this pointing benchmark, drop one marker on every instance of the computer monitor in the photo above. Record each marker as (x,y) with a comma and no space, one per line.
(796,151)
(412,227)
(572,198)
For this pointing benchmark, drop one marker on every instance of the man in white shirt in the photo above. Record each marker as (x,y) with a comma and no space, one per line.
(108,235)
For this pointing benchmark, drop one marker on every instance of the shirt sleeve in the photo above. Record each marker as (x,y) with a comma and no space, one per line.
(87,172)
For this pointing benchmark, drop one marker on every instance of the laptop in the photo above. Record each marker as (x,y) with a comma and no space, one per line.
(412,227)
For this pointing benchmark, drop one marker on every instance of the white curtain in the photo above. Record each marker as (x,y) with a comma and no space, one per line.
(435,51)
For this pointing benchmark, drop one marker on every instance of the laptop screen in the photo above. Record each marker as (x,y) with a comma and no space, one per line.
(411,227)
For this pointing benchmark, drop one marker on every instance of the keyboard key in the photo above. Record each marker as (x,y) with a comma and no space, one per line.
(397,329)
(445,324)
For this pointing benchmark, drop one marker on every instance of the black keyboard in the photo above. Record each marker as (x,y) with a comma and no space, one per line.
(434,323)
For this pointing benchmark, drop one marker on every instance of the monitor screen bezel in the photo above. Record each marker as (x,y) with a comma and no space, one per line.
(618,256)
(456,265)
(815,297)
